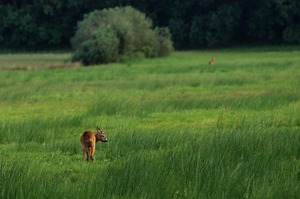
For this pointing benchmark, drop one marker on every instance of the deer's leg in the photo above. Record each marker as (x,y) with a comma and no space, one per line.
(92,152)
(83,154)
(88,154)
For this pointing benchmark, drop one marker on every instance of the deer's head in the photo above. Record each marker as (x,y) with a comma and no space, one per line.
(100,135)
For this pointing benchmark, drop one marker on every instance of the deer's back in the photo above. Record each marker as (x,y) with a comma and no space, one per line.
(88,139)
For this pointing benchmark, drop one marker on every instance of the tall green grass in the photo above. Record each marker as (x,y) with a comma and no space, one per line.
(177,128)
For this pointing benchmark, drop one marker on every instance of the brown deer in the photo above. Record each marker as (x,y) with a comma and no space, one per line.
(88,141)
(212,61)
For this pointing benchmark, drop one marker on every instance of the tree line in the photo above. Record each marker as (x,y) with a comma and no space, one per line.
(192,23)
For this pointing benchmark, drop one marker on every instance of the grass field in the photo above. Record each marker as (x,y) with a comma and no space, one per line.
(176,127)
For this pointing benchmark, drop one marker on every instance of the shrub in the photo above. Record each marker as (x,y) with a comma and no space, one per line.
(101,47)
(114,34)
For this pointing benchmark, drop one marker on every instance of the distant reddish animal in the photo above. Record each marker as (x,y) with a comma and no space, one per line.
(88,141)
(212,61)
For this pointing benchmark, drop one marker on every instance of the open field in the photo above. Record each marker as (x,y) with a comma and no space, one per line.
(33,61)
(176,127)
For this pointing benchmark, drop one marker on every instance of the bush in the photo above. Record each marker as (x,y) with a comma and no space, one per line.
(101,47)
(115,34)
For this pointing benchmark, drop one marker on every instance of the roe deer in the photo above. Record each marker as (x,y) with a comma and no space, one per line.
(88,141)
(212,61)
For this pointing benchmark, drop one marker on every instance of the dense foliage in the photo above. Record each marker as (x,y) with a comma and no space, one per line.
(118,33)
(192,23)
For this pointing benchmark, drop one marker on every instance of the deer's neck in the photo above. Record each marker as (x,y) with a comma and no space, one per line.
(97,139)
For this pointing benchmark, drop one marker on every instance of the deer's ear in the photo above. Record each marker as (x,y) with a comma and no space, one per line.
(98,129)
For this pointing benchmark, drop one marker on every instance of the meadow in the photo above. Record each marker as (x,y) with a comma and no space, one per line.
(176,127)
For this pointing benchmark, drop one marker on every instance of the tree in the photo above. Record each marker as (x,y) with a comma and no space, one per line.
(129,33)
(192,23)
(222,25)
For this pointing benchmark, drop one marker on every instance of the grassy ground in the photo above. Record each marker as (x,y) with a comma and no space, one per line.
(30,61)
(177,128)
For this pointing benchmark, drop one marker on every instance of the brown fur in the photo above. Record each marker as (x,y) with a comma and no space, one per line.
(212,61)
(88,142)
